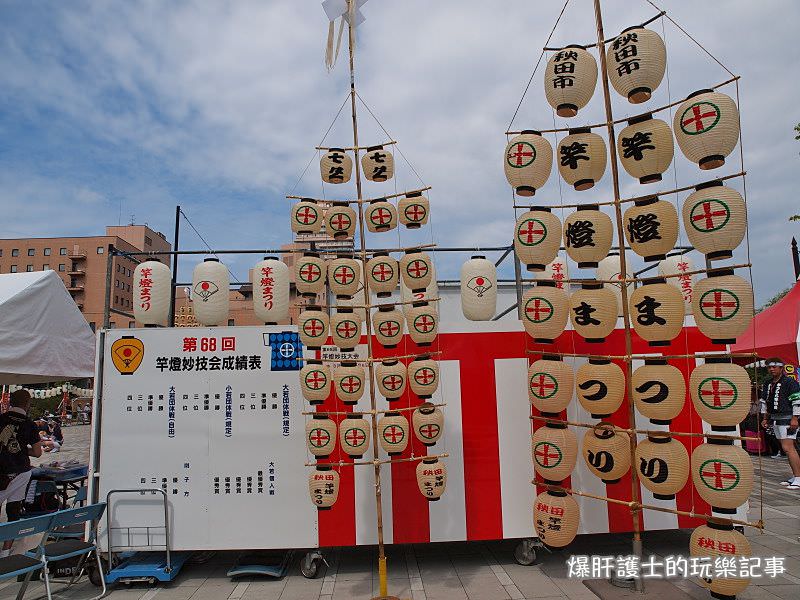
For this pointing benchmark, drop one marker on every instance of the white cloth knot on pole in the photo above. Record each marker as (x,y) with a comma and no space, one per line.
(345,11)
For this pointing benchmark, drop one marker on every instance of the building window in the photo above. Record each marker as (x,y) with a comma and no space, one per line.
(148,241)
(116,299)
(31,251)
(230,323)
(29,268)
(47,251)
(13,269)
(45,267)
(1,252)
(15,252)
(92,326)
(118,266)
(129,287)
(111,325)
(62,267)
(131,324)
(100,249)
(62,251)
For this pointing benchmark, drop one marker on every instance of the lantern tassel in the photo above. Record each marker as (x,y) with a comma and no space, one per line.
(331,55)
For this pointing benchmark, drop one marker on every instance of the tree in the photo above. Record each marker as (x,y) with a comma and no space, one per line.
(774,300)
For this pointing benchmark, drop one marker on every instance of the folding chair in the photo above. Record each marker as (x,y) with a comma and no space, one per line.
(75,530)
(24,564)
(38,491)
(69,548)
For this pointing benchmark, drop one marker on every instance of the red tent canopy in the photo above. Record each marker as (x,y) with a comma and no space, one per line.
(774,332)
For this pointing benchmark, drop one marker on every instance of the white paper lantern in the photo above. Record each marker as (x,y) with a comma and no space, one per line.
(380,215)
(344,276)
(310,273)
(210,283)
(608,269)
(636,60)
(336,166)
(581,158)
(528,162)
(152,284)
(569,80)
(415,268)
(271,290)
(478,289)
(306,217)
(706,128)
(377,164)
(679,264)
(557,270)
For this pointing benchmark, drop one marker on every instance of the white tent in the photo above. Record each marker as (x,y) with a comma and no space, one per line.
(43,335)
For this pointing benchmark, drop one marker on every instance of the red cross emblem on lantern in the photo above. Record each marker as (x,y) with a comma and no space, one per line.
(306,215)
(392,382)
(316,380)
(543,456)
(710,215)
(417,269)
(393,434)
(340,222)
(543,385)
(719,305)
(382,272)
(699,118)
(389,328)
(425,376)
(351,384)
(380,216)
(531,232)
(415,212)
(538,310)
(424,323)
(313,327)
(355,437)
(521,155)
(719,475)
(429,431)
(714,390)
(309,272)
(343,274)
(318,438)
(346,329)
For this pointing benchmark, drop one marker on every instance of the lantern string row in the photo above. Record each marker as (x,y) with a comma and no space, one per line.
(363,200)
(379,305)
(369,412)
(626,119)
(379,462)
(366,360)
(625,357)
(611,39)
(651,278)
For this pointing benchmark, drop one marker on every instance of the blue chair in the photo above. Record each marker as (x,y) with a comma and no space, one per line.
(24,564)
(69,548)
(76,530)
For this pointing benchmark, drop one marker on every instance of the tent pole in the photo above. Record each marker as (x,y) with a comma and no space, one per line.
(109,275)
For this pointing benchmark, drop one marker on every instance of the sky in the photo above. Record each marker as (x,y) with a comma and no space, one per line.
(118,111)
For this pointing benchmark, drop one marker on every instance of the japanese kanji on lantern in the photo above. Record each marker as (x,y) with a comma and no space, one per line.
(588,234)
(554,449)
(581,158)
(719,539)
(388,324)
(722,306)
(346,328)
(478,289)
(380,215)
(556,517)
(706,127)
(348,380)
(600,386)
(354,435)
(557,270)
(645,148)
(152,287)
(651,228)
(636,60)
(720,393)
(659,390)
(391,377)
(310,274)
(377,164)
(431,478)
(657,312)
(383,273)
(321,435)
(312,327)
(430,293)
(609,270)
(270,279)
(393,431)
(423,376)
(593,312)
(663,464)
(413,210)
(428,423)
(551,383)
(570,79)
(415,268)
(340,220)
(306,217)
(715,219)
(722,474)
(682,266)
(528,162)
(537,238)
(607,452)
(423,322)
(315,381)
(323,486)
(210,283)
(344,276)
(545,309)
(336,166)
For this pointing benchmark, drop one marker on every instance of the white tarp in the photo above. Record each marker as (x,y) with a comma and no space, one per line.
(43,335)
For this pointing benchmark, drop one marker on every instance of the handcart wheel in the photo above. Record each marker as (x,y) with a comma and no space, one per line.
(95,576)
(310,566)
(525,553)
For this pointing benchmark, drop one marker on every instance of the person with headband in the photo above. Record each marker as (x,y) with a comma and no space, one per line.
(781,394)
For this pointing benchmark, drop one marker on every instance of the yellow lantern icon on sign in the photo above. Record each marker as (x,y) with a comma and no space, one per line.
(127,354)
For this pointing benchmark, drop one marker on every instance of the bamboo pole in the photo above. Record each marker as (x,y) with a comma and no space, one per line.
(651,278)
(376,463)
(361,200)
(628,358)
(389,143)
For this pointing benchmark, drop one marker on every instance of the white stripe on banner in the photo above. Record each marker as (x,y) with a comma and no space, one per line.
(448,521)
(594,513)
(653,519)
(514,435)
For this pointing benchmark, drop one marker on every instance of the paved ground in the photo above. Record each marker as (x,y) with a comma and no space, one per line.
(463,571)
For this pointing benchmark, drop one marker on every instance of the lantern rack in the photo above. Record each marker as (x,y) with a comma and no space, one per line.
(631,357)
(403,303)
(370,360)
(376,463)
(371,412)
(352,148)
(363,200)
(594,44)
